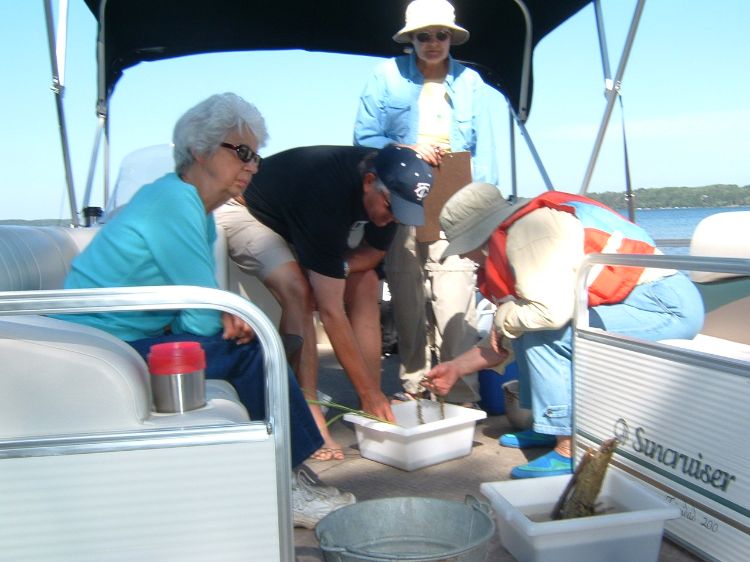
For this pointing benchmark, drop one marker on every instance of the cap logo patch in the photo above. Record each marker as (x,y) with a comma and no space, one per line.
(422,190)
(408,179)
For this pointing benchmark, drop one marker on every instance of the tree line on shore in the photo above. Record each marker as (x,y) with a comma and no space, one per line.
(718,195)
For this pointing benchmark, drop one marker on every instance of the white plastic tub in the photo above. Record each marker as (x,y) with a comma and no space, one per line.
(630,531)
(411,445)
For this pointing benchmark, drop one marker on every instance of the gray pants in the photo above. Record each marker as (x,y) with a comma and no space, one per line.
(434,308)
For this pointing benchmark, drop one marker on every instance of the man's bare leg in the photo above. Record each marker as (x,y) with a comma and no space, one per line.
(290,287)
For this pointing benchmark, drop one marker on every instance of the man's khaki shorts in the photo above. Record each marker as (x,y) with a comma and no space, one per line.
(253,246)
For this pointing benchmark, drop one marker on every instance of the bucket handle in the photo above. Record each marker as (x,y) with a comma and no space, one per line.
(474,503)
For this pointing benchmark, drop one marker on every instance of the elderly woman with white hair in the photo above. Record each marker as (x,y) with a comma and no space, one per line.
(432,103)
(165,236)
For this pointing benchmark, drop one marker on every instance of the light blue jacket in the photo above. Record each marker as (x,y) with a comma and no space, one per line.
(163,236)
(388,112)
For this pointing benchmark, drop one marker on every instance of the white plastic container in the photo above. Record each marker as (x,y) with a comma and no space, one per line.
(630,531)
(411,445)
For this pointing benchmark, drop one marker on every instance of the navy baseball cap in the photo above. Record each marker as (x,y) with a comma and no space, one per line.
(409,180)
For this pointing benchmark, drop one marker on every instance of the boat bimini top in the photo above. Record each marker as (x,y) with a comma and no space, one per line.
(504,32)
(504,35)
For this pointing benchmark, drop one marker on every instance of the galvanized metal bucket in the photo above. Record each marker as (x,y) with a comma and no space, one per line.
(408,529)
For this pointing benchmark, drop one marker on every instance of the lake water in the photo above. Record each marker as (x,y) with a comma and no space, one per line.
(675,223)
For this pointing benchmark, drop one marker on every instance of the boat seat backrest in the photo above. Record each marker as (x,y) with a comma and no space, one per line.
(138,168)
(722,235)
(726,296)
(35,258)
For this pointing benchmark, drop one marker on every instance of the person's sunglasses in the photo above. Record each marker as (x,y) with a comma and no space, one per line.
(425,37)
(244,152)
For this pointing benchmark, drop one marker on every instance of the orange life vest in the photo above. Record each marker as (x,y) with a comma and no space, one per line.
(613,283)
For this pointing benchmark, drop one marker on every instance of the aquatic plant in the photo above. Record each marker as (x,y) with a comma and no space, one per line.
(346,410)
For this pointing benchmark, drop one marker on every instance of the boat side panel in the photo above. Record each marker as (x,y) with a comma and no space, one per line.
(678,415)
(208,502)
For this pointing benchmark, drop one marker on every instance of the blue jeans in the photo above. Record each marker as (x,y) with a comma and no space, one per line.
(242,366)
(668,308)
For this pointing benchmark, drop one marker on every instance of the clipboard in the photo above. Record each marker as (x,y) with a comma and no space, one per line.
(453,173)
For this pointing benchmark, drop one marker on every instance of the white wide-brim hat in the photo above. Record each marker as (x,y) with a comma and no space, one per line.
(431,13)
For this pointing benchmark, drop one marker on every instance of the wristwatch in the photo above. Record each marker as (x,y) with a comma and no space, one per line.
(346,269)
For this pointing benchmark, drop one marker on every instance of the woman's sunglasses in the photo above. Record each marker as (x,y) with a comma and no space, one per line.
(244,152)
(425,37)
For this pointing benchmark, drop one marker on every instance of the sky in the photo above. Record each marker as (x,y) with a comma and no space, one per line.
(684,92)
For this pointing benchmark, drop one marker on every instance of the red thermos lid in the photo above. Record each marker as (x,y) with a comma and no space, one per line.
(176,357)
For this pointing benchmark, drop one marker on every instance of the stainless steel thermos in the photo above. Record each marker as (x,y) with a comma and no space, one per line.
(177,376)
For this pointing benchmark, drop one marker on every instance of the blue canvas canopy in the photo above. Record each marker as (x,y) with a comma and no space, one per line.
(503,32)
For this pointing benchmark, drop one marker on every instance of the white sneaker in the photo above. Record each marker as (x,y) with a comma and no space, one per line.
(311,501)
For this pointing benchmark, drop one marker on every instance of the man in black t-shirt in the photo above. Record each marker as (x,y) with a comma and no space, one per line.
(320,220)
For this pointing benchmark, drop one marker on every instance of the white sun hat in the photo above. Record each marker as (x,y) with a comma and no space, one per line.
(431,13)
(472,214)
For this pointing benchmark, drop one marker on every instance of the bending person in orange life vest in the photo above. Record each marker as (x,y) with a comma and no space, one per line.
(529,252)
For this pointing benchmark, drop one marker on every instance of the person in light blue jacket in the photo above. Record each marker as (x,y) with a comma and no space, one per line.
(389,113)
(435,105)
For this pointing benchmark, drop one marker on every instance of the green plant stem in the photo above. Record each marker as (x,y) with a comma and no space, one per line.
(346,410)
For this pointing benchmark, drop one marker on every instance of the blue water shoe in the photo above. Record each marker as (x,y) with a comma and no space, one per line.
(526,439)
(551,464)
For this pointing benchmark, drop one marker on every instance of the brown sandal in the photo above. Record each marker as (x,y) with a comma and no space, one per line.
(328,454)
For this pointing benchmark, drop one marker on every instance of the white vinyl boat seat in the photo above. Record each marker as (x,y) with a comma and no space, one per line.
(73,378)
(37,258)
(138,168)
(726,297)
(59,377)
(715,346)
(63,378)
(88,471)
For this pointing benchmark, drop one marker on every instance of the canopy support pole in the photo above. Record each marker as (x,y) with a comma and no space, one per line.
(602,43)
(512,134)
(610,85)
(92,162)
(106,160)
(523,96)
(102,104)
(532,150)
(57,49)
(612,93)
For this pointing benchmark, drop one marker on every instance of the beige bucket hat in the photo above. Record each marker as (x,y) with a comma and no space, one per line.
(471,216)
(431,13)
